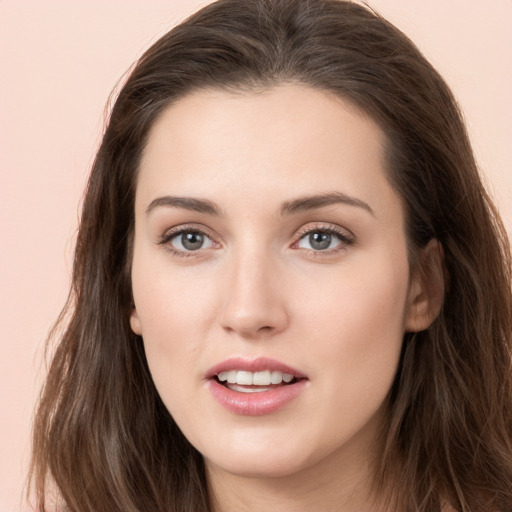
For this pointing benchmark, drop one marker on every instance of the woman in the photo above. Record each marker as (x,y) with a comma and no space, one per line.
(290,286)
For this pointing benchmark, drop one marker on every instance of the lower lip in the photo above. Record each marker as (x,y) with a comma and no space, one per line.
(257,403)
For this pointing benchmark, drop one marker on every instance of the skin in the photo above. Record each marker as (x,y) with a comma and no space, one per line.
(258,287)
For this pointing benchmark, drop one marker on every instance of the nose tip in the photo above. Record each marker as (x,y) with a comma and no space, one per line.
(254,305)
(247,324)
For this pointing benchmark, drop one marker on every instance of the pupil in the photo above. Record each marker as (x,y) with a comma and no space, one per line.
(320,240)
(192,241)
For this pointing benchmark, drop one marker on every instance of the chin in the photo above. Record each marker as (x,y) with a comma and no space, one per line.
(266,467)
(272,460)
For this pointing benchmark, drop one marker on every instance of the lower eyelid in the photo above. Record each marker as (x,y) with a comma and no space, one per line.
(340,244)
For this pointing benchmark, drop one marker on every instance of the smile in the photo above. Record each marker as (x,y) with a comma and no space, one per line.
(246,378)
(254,388)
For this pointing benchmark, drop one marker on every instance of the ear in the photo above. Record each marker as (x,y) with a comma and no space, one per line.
(426,289)
(135,323)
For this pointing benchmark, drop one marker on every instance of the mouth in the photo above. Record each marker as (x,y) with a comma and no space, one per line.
(254,388)
(254,382)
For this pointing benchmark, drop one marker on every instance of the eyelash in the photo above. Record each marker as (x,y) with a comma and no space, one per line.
(346,239)
(180,230)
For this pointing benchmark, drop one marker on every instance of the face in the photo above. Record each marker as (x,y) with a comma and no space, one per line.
(270,277)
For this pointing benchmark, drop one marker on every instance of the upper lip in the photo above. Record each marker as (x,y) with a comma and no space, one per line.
(253,365)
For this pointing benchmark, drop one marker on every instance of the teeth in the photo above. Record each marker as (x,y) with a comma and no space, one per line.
(244,378)
(245,389)
(264,378)
(231,377)
(261,378)
(276,378)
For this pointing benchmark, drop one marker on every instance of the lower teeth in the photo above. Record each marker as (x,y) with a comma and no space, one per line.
(251,389)
(248,389)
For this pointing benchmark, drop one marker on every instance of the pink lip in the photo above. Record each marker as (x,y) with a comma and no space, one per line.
(260,403)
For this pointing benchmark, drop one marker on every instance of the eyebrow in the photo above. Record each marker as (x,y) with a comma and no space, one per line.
(187,203)
(288,208)
(321,200)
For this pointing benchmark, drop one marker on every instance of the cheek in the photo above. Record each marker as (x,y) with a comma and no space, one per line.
(167,300)
(358,325)
(175,310)
(367,296)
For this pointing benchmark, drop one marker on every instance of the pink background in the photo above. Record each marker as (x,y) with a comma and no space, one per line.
(59,61)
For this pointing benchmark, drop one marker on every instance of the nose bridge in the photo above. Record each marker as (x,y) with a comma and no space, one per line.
(253,299)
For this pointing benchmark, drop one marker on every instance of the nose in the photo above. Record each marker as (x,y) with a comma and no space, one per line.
(254,297)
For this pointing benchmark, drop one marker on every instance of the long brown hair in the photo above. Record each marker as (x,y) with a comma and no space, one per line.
(102,436)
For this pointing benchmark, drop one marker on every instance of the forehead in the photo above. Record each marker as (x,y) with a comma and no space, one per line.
(291,139)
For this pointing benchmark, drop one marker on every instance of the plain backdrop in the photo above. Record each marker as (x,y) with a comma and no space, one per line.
(59,60)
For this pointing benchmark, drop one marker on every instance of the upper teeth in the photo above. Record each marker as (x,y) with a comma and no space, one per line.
(264,378)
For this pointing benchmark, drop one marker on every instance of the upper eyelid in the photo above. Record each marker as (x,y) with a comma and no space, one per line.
(180,228)
(328,227)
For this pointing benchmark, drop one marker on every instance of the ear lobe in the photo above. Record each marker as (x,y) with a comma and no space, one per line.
(427,288)
(135,323)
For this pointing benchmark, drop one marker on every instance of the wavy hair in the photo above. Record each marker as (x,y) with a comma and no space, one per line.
(103,438)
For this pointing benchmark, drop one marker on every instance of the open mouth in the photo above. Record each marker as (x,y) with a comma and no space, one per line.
(254,382)
(255,387)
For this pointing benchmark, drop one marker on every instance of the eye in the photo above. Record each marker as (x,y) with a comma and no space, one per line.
(320,239)
(185,241)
